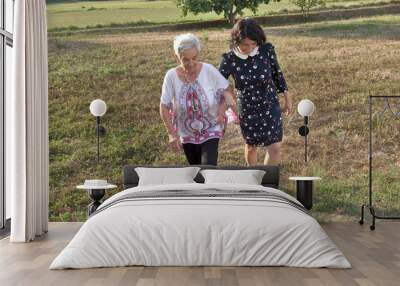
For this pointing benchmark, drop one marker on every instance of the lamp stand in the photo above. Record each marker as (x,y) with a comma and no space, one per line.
(100,131)
(305,138)
(98,138)
(303,131)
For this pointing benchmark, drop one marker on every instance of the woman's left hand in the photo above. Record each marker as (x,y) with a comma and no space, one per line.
(288,107)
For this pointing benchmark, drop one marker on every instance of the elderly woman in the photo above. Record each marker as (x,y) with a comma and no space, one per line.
(192,103)
(253,64)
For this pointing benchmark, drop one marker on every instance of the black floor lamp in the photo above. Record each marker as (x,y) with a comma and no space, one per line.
(305,108)
(96,188)
(396,116)
(98,108)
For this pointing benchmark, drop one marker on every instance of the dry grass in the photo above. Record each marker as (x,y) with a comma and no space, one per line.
(337,65)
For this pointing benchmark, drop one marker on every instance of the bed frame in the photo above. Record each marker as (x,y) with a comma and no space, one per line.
(270,179)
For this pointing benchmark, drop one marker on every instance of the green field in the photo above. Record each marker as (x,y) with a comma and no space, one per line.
(335,64)
(64,14)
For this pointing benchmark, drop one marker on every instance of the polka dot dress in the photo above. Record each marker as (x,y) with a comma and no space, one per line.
(258,79)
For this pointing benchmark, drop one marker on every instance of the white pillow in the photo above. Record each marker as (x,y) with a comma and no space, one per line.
(248,177)
(163,176)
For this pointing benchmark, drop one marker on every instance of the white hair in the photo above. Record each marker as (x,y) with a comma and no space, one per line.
(184,42)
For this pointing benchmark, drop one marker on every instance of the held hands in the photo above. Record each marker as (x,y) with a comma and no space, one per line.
(235,117)
(230,105)
(174,142)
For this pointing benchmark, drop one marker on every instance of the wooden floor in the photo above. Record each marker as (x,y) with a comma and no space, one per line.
(375,257)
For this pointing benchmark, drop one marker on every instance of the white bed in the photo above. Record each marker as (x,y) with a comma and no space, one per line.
(184,230)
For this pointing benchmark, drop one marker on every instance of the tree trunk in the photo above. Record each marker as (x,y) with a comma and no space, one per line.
(231,15)
(231,18)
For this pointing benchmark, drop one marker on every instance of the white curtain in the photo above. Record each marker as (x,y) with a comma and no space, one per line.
(27,159)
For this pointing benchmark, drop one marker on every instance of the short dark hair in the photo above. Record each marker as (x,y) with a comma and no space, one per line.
(247,28)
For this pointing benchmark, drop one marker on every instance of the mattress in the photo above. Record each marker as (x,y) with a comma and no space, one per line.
(201,225)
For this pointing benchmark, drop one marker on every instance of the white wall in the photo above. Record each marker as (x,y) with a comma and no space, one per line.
(9,26)
(9,9)
(8,85)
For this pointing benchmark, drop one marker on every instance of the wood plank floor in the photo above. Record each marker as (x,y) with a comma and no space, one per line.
(375,257)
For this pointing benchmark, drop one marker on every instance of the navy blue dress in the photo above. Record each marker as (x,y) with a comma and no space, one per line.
(258,80)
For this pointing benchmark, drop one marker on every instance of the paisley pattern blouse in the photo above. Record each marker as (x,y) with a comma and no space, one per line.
(194,106)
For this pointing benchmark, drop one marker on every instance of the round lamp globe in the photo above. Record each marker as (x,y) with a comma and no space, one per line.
(98,107)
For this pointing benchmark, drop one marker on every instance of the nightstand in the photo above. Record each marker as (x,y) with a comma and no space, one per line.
(96,190)
(304,190)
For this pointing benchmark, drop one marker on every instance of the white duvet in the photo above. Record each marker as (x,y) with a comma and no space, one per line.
(200,231)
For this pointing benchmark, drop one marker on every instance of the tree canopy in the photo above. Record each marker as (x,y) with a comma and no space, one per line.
(229,8)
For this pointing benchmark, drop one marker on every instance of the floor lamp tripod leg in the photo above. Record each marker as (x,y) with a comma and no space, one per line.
(361,221)
(372,226)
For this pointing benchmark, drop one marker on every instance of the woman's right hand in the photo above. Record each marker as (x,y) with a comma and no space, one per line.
(174,142)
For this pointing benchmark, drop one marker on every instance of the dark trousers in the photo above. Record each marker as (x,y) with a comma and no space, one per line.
(205,153)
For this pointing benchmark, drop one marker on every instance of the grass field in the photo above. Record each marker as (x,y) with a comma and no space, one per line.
(335,64)
(64,14)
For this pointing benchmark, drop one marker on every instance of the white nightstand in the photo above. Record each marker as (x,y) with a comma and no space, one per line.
(96,190)
(304,190)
